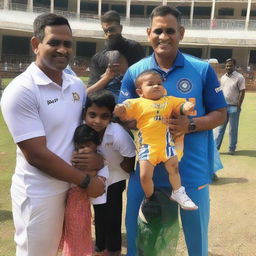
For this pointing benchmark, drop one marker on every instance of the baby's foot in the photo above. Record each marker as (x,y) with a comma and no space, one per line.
(181,197)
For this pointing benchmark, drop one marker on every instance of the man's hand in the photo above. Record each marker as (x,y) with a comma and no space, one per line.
(86,160)
(178,125)
(110,72)
(96,187)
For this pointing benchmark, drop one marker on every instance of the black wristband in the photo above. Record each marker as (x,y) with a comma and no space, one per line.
(85,183)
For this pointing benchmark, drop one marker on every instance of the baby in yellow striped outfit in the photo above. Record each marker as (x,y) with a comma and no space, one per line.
(156,143)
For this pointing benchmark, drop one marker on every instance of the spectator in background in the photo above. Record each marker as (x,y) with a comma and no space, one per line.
(117,66)
(233,87)
(130,49)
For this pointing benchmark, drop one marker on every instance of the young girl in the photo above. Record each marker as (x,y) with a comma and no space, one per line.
(76,238)
(118,150)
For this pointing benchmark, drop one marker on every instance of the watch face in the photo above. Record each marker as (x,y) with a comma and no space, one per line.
(192,125)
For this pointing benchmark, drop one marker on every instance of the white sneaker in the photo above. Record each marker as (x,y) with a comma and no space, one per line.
(183,200)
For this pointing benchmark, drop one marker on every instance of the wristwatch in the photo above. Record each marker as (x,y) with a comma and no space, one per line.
(85,183)
(191,125)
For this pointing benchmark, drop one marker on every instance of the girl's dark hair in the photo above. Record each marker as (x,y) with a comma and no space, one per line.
(101,98)
(83,134)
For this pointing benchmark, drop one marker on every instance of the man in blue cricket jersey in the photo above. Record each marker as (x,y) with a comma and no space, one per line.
(186,77)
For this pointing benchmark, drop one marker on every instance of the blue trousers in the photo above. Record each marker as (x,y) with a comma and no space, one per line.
(195,223)
(233,113)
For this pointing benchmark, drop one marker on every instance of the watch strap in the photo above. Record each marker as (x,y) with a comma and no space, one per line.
(85,183)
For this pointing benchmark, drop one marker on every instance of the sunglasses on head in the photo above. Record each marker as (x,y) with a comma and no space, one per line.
(168,31)
(110,30)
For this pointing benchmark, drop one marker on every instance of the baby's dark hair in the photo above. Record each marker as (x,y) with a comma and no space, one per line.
(83,134)
(144,73)
(101,98)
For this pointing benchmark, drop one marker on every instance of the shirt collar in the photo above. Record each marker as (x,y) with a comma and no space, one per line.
(231,74)
(178,62)
(40,78)
(108,130)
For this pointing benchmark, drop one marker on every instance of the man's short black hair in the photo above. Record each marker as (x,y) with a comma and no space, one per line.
(110,17)
(231,60)
(83,134)
(101,98)
(47,19)
(164,10)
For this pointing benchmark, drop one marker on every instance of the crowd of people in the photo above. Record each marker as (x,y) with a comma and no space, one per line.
(73,150)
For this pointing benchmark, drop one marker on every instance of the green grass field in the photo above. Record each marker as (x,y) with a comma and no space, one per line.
(245,159)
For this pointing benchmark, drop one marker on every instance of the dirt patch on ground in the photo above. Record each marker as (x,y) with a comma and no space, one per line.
(232,229)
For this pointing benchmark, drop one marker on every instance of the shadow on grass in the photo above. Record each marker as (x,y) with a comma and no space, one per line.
(250,153)
(227,180)
(5,215)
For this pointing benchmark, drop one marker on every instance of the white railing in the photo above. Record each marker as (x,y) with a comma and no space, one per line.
(195,24)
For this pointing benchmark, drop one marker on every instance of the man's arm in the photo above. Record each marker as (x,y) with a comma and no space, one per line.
(95,69)
(180,125)
(128,164)
(103,81)
(241,98)
(38,155)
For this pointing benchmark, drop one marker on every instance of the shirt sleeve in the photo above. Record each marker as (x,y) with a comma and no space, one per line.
(241,83)
(127,90)
(96,69)
(176,103)
(123,142)
(21,113)
(212,94)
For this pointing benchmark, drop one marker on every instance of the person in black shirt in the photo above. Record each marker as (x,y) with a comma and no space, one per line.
(130,49)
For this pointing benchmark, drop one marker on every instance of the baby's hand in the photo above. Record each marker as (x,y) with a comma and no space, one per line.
(188,108)
(119,110)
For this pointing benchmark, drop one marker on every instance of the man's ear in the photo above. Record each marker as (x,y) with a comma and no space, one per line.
(182,32)
(148,32)
(139,92)
(34,44)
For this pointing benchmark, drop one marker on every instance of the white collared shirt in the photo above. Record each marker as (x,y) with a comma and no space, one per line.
(33,106)
(231,86)
(116,145)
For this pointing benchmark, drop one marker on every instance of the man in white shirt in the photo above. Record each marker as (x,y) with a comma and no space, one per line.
(233,87)
(42,107)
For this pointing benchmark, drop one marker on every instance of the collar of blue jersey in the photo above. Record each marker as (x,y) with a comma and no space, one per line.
(178,62)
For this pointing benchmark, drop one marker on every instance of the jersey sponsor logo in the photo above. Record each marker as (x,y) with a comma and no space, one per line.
(125,93)
(52,101)
(76,96)
(184,85)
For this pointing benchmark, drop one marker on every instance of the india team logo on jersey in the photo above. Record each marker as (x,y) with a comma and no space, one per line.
(184,85)
(76,96)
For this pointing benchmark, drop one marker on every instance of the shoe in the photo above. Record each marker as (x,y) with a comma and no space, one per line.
(183,200)
(231,152)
